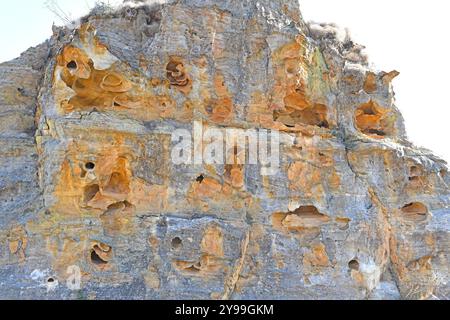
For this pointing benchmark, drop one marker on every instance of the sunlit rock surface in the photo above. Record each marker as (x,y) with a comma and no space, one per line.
(86,177)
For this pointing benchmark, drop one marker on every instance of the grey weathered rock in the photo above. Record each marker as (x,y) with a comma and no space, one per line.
(356,211)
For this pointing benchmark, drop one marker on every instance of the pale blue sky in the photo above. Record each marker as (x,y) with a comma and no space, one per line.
(26,23)
(409,36)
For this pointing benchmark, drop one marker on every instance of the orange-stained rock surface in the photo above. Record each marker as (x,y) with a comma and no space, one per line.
(89,189)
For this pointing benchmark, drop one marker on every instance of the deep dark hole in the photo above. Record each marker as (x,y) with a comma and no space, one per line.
(354,265)
(96,259)
(90,166)
(348,45)
(50,280)
(177,243)
(200,178)
(209,109)
(72,65)
(323,124)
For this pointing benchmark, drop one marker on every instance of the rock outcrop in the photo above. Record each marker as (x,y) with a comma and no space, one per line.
(87,183)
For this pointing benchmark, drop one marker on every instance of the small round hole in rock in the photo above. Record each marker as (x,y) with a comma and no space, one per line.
(323,124)
(177,243)
(96,259)
(72,65)
(200,178)
(209,109)
(89,166)
(50,280)
(354,265)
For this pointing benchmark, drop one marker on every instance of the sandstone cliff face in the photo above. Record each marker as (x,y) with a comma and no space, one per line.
(356,212)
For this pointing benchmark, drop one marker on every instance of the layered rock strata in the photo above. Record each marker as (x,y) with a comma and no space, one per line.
(87,181)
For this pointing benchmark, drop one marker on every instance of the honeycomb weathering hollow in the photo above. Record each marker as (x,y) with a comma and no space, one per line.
(353,211)
(415,211)
(305,217)
(176,73)
(373,120)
